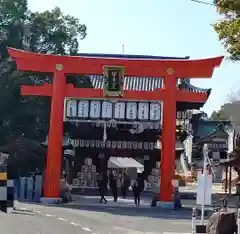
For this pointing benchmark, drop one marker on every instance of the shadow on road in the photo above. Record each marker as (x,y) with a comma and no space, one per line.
(23,212)
(151,212)
(154,212)
(20,213)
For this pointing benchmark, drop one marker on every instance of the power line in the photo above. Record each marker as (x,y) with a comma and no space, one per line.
(204,3)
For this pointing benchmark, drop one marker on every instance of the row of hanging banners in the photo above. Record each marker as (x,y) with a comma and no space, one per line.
(99,112)
(131,145)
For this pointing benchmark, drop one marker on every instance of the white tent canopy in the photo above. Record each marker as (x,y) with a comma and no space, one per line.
(118,162)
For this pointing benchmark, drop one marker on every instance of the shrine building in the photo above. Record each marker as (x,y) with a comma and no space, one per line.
(99,131)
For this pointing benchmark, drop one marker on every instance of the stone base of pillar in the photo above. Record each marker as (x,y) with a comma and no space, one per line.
(50,200)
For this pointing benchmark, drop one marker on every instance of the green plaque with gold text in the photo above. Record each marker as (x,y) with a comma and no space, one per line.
(113,81)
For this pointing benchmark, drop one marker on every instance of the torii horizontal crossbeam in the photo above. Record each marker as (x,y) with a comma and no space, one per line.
(90,93)
(27,61)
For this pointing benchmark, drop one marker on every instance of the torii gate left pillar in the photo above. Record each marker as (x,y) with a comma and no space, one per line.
(170,70)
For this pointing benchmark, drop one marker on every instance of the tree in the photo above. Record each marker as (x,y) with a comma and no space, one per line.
(46,32)
(230,110)
(228,28)
(219,115)
(52,32)
(49,32)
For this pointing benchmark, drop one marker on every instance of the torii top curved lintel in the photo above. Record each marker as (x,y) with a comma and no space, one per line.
(28,61)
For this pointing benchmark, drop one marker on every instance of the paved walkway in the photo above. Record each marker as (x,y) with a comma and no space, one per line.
(216,188)
(81,200)
(49,220)
(94,200)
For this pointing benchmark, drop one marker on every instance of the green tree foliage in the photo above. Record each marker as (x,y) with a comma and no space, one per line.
(219,115)
(49,32)
(55,33)
(230,110)
(228,28)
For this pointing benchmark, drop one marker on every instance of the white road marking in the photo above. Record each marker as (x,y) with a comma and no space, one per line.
(37,212)
(62,219)
(49,215)
(74,224)
(87,229)
(180,222)
(111,208)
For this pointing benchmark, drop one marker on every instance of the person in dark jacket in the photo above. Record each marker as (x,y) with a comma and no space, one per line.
(102,183)
(125,183)
(137,191)
(113,185)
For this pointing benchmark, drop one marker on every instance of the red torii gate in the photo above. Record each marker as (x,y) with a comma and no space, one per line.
(170,70)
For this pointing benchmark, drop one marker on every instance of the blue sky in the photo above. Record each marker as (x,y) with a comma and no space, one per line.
(153,27)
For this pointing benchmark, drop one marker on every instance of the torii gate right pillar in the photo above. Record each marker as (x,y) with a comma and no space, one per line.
(170,97)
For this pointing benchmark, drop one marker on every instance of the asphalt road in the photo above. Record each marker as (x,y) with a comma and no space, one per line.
(39,219)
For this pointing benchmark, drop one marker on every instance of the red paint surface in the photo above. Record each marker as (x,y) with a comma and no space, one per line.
(151,68)
(168,140)
(54,157)
(27,61)
(70,91)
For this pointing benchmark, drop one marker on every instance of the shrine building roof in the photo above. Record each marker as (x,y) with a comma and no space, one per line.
(191,88)
(207,128)
(146,84)
(130,83)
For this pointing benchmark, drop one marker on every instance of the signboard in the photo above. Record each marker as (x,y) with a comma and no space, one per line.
(111,110)
(107,110)
(143,111)
(94,112)
(113,81)
(83,109)
(119,110)
(131,113)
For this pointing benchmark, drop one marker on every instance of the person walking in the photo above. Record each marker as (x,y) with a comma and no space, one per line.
(102,188)
(125,183)
(113,185)
(137,191)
